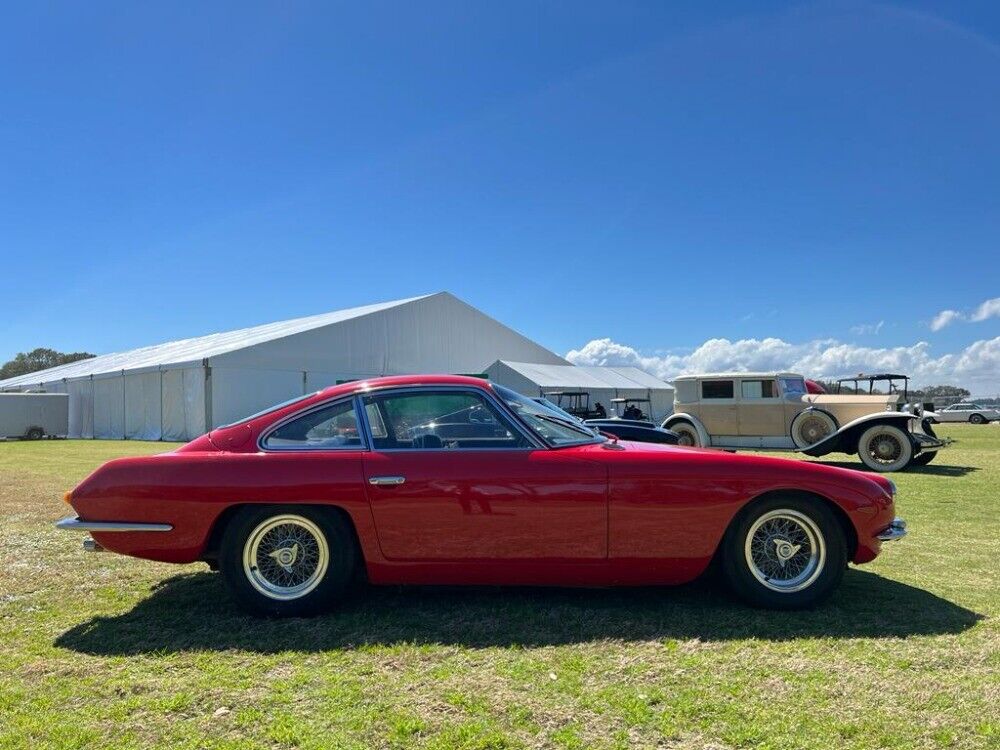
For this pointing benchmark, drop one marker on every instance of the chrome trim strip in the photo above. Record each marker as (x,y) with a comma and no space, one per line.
(73,523)
(895,530)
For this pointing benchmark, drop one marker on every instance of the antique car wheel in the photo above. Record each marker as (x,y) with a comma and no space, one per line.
(35,433)
(287,561)
(885,447)
(784,553)
(924,458)
(977,419)
(687,435)
(810,427)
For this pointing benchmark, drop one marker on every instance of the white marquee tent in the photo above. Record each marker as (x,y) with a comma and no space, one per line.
(602,383)
(178,390)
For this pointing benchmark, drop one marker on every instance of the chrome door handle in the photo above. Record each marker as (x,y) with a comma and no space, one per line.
(386,481)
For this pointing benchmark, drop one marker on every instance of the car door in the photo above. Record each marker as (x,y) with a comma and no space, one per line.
(440,492)
(718,408)
(761,409)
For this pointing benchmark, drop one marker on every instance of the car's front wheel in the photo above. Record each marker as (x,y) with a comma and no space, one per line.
(686,434)
(977,419)
(784,553)
(287,561)
(884,448)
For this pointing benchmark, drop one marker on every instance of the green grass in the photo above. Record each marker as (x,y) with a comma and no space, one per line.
(101,650)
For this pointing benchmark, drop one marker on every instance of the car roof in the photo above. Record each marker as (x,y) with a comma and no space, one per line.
(369,384)
(876,376)
(709,375)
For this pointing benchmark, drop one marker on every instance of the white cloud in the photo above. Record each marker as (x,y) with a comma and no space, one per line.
(867,328)
(988,309)
(944,318)
(977,367)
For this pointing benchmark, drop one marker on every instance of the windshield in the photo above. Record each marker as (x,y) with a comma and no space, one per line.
(554,428)
(561,412)
(793,386)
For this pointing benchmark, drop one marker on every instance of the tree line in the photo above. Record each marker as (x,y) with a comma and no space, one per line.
(39,359)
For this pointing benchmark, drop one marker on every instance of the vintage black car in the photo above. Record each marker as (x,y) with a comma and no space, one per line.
(641,431)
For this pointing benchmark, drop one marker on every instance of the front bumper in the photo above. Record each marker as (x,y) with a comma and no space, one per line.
(895,530)
(73,523)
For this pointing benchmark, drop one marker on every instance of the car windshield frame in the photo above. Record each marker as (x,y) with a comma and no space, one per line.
(526,411)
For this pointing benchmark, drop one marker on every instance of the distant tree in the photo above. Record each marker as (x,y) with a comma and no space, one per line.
(39,359)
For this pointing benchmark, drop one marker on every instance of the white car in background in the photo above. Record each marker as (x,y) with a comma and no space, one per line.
(967,413)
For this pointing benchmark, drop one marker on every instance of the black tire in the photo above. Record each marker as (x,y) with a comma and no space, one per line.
(246,533)
(977,419)
(924,458)
(816,584)
(35,433)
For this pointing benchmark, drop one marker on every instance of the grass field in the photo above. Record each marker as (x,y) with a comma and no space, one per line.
(100,650)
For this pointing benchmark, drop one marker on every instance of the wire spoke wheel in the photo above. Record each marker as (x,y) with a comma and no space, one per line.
(885,448)
(785,550)
(285,557)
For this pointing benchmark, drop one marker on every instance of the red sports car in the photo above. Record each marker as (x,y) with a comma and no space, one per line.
(454,480)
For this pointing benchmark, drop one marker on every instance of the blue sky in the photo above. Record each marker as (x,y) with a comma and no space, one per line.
(655,174)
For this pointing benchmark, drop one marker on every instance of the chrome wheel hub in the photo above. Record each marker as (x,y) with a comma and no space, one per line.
(785,550)
(286,557)
(886,448)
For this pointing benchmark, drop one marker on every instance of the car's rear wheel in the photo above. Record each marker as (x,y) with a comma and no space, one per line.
(686,434)
(290,561)
(977,419)
(924,458)
(35,433)
(885,448)
(810,427)
(784,553)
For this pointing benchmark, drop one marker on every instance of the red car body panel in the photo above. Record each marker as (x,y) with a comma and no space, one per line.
(597,514)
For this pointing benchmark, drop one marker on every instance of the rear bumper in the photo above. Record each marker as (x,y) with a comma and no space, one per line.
(895,530)
(73,523)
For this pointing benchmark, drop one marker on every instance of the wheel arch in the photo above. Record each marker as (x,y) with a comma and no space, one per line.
(847,527)
(213,543)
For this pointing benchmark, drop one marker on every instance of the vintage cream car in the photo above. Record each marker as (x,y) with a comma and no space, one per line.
(773,411)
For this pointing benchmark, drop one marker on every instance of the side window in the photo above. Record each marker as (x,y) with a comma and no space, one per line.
(438,420)
(329,428)
(752,389)
(717,389)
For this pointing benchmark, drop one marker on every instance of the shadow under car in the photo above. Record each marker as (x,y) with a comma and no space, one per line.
(194,612)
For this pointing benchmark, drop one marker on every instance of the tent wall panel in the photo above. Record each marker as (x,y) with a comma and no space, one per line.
(142,406)
(238,393)
(81,408)
(183,404)
(109,408)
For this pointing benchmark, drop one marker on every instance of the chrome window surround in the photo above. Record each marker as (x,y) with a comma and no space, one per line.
(364,433)
(486,394)
(262,440)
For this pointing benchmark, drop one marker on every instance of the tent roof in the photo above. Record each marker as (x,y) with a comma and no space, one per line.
(586,376)
(199,348)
